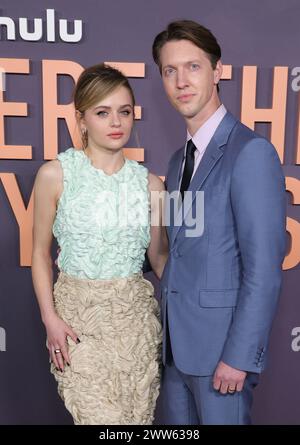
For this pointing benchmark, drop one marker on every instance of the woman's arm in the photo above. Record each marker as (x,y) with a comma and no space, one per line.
(158,248)
(47,189)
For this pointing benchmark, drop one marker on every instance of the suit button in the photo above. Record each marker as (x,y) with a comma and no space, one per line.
(165,290)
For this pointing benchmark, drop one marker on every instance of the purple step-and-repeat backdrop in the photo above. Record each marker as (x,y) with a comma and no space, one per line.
(43,47)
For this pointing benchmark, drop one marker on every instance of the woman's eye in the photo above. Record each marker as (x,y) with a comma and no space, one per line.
(102,113)
(126,112)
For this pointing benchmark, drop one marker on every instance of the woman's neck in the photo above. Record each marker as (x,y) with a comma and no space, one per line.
(110,161)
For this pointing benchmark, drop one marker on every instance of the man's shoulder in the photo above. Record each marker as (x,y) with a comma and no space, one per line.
(243,136)
(247,131)
(247,148)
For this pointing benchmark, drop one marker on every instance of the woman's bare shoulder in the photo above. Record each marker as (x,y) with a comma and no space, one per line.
(51,170)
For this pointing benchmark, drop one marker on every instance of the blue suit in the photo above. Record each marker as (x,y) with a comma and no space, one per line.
(220,290)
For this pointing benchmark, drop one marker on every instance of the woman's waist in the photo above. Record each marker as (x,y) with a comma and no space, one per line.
(82,279)
(129,291)
(100,267)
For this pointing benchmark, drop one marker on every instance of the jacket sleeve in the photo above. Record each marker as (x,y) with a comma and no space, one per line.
(258,202)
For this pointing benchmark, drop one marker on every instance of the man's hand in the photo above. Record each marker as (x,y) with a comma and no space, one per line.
(227,379)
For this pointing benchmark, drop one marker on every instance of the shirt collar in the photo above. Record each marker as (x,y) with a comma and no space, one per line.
(204,134)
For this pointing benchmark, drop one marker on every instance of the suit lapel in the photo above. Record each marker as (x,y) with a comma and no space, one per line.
(173,185)
(175,170)
(213,153)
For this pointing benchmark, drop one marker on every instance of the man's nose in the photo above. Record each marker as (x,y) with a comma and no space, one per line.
(181,79)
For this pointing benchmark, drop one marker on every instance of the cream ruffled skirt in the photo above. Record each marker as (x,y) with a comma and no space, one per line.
(114,375)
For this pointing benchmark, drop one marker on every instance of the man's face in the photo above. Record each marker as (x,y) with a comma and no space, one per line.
(189,79)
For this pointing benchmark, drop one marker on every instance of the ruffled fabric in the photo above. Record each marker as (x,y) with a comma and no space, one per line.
(115,369)
(102,222)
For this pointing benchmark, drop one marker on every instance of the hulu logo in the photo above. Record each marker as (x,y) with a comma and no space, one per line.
(47,29)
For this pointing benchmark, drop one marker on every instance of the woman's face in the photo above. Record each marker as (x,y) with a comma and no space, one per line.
(109,122)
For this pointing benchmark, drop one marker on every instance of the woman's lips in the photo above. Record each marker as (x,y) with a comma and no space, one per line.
(115,135)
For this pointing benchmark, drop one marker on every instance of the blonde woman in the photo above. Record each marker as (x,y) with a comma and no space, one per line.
(102,320)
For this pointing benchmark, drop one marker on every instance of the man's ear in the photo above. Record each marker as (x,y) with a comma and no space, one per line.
(218,72)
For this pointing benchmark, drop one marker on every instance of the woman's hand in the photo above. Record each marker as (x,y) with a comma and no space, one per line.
(57,333)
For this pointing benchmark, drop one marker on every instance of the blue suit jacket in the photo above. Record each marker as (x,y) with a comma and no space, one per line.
(220,289)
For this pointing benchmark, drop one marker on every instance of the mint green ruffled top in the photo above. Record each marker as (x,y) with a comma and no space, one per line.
(102,222)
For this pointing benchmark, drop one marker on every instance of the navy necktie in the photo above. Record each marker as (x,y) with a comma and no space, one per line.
(188,167)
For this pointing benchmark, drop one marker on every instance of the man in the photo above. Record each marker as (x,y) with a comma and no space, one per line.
(220,289)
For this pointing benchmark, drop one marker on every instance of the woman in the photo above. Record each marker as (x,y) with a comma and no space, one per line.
(102,321)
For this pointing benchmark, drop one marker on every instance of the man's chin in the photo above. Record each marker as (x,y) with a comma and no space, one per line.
(186,111)
(187,114)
